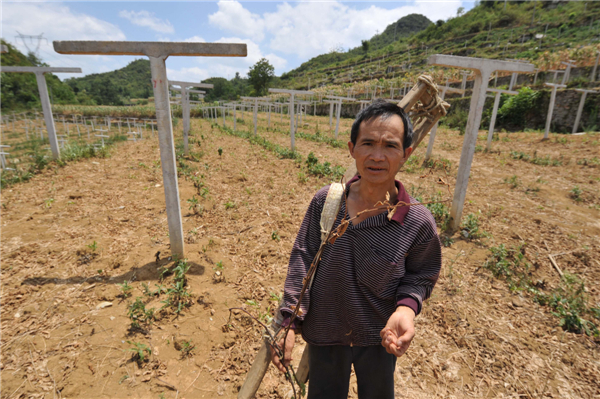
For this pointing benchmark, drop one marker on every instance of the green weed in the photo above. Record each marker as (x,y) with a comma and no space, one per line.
(512,181)
(470,227)
(140,351)
(138,314)
(126,289)
(275,235)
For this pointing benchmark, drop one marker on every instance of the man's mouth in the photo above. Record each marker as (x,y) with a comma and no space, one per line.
(375,169)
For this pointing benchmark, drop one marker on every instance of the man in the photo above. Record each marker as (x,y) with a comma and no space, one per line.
(371,283)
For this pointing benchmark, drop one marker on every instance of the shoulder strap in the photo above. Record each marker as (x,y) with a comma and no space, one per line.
(331,208)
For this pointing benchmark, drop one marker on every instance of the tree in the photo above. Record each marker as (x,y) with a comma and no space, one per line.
(460,11)
(260,75)
(365,45)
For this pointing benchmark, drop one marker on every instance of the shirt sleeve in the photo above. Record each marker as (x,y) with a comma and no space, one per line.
(422,269)
(304,250)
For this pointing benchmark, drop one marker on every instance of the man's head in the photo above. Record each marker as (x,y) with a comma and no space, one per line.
(380,141)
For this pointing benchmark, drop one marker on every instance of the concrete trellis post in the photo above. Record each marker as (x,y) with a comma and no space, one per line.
(513,81)
(482,70)
(445,89)
(363,103)
(463,85)
(234,106)
(45,100)
(184,88)
(338,101)
(567,74)
(593,76)
(555,87)
(495,113)
(580,109)
(158,52)
(255,108)
(292,93)
(3,49)
(331,104)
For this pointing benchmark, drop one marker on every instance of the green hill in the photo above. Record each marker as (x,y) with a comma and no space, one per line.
(116,87)
(544,33)
(19,91)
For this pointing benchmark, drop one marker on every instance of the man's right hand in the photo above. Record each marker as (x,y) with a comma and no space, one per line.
(287,355)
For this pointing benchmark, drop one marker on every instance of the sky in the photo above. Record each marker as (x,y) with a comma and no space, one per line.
(286,33)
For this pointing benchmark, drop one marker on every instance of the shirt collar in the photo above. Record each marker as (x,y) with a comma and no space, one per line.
(403,196)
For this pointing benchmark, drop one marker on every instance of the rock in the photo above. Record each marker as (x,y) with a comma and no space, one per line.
(517,302)
(103,305)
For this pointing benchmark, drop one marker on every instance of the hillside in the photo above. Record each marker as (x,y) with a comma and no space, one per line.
(19,90)
(403,28)
(542,32)
(112,88)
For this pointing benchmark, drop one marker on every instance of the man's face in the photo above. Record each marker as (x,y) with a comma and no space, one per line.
(378,151)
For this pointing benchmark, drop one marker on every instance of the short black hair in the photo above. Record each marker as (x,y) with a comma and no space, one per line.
(383,109)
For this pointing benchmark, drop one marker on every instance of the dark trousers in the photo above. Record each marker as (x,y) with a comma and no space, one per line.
(329,371)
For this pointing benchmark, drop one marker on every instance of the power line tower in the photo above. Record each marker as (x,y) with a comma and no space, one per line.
(39,39)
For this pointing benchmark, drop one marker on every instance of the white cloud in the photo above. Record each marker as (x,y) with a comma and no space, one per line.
(147,19)
(195,39)
(225,67)
(312,28)
(232,16)
(59,22)
(307,29)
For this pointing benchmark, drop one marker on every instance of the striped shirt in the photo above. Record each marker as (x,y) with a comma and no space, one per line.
(375,266)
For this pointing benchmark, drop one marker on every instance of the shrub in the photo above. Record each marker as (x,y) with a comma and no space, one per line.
(515,110)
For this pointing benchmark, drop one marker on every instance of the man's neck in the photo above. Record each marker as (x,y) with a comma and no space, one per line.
(370,194)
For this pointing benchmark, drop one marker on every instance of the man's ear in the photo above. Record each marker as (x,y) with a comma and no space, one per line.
(351,148)
(407,152)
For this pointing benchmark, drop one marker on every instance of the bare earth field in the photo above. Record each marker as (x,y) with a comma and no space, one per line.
(71,234)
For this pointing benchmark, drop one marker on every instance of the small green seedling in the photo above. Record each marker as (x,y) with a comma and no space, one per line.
(126,289)
(186,348)
(219,266)
(220,151)
(139,351)
(275,235)
(93,246)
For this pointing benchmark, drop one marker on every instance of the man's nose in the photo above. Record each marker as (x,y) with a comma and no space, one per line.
(377,153)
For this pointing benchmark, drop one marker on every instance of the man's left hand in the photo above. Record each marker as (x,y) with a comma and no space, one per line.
(399,331)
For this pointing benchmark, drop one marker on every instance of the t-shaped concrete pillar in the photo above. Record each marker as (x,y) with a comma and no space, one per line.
(44,99)
(158,53)
(463,85)
(185,106)
(580,109)
(595,68)
(338,101)
(482,70)
(567,74)
(555,87)
(254,100)
(292,93)
(445,89)
(495,112)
